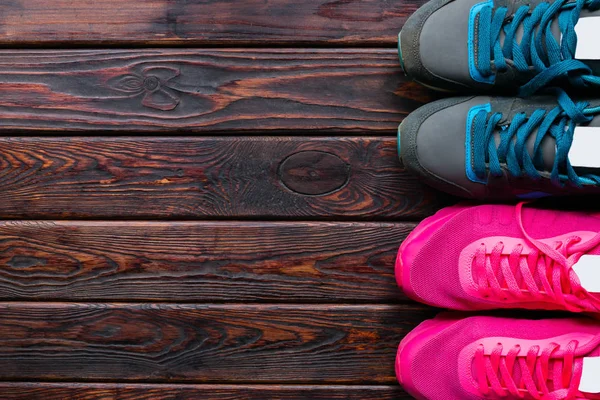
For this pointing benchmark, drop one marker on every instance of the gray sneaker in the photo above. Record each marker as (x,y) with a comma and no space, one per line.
(500,148)
(501,46)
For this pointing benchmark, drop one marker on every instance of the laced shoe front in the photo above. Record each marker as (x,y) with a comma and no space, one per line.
(505,148)
(507,46)
(534,271)
(481,357)
(536,52)
(511,154)
(549,373)
(501,256)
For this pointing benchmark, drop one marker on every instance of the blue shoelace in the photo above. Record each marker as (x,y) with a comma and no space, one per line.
(538,48)
(559,123)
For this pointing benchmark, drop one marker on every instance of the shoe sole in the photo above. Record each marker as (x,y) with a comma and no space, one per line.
(399,145)
(400,56)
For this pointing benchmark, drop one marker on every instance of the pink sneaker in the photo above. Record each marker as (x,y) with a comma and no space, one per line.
(485,257)
(450,358)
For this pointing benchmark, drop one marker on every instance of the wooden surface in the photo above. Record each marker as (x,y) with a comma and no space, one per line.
(201,199)
(314,91)
(203,22)
(240,343)
(200,262)
(194,177)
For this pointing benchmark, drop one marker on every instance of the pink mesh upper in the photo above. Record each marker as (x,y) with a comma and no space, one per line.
(429,262)
(437,363)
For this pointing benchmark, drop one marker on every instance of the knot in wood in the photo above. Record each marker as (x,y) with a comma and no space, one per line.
(314,173)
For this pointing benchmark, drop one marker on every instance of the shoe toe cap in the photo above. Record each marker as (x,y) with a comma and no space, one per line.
(432,143)
(433,44)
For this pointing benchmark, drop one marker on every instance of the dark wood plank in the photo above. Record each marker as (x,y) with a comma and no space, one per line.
(227,177)
(116,391)
(302,90)
(200,262)
(203,343)
(201,22)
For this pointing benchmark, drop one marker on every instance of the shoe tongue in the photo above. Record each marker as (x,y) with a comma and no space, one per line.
(553,26)
(589,383)
(516,372)
(548,145)
(587,269)
(588,31)
(590,37)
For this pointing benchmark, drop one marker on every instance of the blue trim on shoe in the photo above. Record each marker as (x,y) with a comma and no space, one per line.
(533,195)
(475,74)
(468,142)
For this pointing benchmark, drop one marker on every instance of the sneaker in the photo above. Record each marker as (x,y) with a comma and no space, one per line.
(503,256)
(504,148)
(483,357)
(504,46)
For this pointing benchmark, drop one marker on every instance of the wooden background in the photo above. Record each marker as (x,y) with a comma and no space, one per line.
(201,199)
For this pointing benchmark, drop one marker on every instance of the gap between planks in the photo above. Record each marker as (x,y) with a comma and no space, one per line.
(131,391)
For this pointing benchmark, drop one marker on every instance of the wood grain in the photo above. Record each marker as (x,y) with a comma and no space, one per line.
(227,177)
(116,391)
(202,22)
(200,261)
(203,343)
(226,91)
